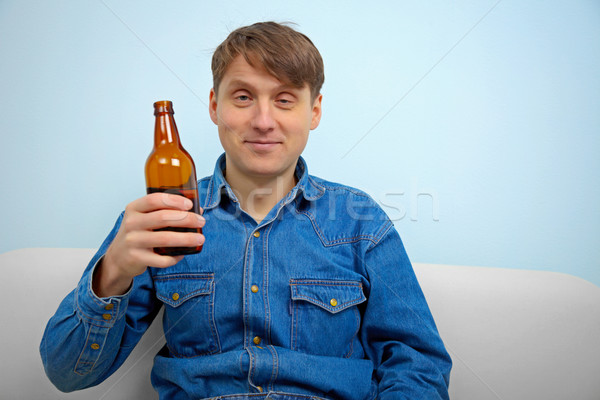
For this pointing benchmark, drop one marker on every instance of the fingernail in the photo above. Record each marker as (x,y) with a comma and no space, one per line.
(172,200)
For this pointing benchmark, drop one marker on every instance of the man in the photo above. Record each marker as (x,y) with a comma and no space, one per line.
(303,288)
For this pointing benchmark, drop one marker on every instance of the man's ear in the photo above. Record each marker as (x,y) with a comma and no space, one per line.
(212,106)
(316,112)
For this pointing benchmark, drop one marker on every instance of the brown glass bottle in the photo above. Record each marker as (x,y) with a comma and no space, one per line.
(170,168)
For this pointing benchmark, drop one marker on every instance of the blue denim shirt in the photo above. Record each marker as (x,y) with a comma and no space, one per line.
(319,300)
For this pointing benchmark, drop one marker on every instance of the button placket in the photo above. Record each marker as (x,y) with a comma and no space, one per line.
(257,306)
(263,365)
(108,313)
(92,350)
(257,311)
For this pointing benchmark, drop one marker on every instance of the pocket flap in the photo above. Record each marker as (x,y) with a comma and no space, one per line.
(174,289)
(331,295)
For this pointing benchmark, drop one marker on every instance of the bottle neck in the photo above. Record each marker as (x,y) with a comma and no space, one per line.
(165,130)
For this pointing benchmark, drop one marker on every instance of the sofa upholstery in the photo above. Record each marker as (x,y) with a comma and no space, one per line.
(512,334)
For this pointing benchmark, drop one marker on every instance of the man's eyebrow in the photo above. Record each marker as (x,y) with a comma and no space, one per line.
(236,84)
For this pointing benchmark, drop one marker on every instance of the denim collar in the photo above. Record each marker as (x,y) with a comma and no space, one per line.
(217,185)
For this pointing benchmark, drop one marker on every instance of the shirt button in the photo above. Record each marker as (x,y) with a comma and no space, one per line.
(109,307)
(260,389)
(254,288)
(256,340)
(256,234)
(333,302)
(95,346)
(175,296)
(107,317)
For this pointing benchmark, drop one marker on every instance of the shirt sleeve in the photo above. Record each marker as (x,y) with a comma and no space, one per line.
(398,330)
(89,337)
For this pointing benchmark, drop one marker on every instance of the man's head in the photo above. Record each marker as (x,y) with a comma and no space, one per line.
(265,101)
(286,54)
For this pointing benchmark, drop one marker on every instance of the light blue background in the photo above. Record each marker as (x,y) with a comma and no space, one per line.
(476,124)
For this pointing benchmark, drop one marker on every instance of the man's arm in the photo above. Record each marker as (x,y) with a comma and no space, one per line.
(98,324)
(398,330)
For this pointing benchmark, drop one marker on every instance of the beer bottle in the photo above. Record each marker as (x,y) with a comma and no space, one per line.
(170,168)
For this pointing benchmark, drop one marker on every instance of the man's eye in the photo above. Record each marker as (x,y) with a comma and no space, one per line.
(243,97)
(284,102)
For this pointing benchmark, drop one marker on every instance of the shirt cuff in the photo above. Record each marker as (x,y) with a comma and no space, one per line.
(99,311)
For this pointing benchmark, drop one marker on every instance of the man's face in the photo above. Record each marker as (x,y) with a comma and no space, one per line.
(263,123)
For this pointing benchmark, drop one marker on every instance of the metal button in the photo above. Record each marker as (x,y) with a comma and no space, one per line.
(107,317)
(256,340)
(256,234)
(95,346)
(109,307)
(333,302)
(254,288)
(260,389)
(175,296)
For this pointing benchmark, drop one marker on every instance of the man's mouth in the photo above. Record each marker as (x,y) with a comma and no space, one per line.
(261,146)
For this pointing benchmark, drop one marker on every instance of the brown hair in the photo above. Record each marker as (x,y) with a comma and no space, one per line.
(288,55)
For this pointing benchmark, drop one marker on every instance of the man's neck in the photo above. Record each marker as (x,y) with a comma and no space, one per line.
(258,195)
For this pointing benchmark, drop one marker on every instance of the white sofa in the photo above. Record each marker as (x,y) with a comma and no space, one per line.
(512,334)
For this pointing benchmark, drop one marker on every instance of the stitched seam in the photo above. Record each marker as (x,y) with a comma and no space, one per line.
(294,325)
(245,294)
(213,322)
(323,282)
(347,189)
(93,320)
(207,278)
(329,243)
(320,187)
(204,276)
(252,368)
(351,350)
(75,369)
(183,299)
(267,327)
(334,310)
(209,195)
(275,370)
(385,228)
(294,283)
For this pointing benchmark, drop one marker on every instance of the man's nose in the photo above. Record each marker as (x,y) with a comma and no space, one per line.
(263,119)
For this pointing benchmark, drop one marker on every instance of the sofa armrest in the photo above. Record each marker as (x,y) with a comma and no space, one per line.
(516,334)
(34,282)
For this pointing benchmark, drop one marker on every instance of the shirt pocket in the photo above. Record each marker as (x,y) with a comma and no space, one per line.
(325,316)
(189,321)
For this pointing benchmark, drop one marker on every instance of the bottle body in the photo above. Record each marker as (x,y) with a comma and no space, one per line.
(170,169)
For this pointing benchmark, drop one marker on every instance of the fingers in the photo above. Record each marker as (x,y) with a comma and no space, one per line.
(158,201)
(147,240)
(163,219)
(147,257)
(132,249)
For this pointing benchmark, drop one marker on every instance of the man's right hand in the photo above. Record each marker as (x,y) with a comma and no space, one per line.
(132,249)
